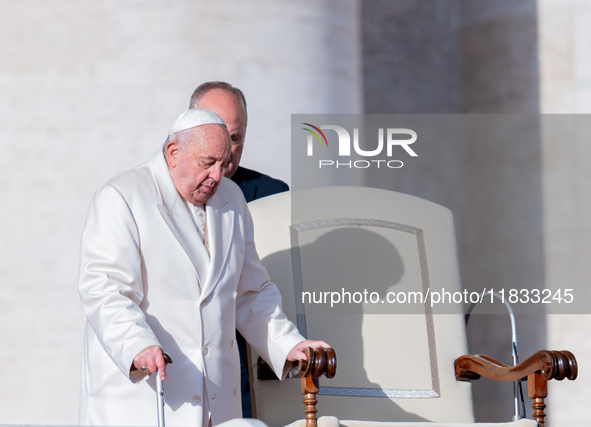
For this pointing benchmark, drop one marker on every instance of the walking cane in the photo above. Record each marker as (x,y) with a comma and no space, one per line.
(160,392)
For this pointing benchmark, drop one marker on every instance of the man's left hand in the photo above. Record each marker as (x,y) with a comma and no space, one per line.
(297,353)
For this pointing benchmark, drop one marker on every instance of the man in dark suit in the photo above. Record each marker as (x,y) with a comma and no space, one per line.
(255,185)
(229,103)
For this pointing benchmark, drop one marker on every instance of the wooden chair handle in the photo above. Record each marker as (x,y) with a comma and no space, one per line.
(537,369)
(319,361)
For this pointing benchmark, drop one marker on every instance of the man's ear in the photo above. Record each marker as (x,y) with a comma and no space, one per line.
(172,153)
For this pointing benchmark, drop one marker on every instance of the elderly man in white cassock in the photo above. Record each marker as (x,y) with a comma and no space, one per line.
(168,262)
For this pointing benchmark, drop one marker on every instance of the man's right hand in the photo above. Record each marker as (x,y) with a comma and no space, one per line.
(152,360)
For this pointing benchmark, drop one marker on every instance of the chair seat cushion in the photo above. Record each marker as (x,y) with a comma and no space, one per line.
(335,422)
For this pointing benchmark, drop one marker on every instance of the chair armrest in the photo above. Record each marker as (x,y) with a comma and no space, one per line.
(319,361)
(537,369)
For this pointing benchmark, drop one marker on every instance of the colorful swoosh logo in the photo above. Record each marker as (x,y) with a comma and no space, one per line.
(315,134)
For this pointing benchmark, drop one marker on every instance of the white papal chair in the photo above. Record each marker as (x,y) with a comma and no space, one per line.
(361,268)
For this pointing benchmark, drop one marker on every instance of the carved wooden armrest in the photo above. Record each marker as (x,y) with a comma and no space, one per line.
(320,361)
(537,369)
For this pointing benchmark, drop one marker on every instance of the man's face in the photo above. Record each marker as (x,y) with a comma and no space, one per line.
(227,105)
(197,170)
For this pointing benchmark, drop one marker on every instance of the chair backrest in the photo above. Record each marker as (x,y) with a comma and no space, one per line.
(350,262)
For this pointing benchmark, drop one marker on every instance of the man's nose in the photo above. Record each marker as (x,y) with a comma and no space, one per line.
(216,172)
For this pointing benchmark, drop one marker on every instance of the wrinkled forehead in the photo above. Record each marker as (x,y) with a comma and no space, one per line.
(210,138)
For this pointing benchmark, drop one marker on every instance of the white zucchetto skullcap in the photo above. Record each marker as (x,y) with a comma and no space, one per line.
(195,117)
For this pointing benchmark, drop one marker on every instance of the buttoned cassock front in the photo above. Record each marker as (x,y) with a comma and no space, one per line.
(146,279)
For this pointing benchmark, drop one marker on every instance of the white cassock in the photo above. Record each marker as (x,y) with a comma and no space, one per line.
(147,279)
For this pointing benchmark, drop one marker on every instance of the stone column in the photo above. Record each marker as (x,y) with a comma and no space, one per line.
(565,86)
(470,57)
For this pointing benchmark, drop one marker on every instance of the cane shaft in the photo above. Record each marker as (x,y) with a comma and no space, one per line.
(160,403)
